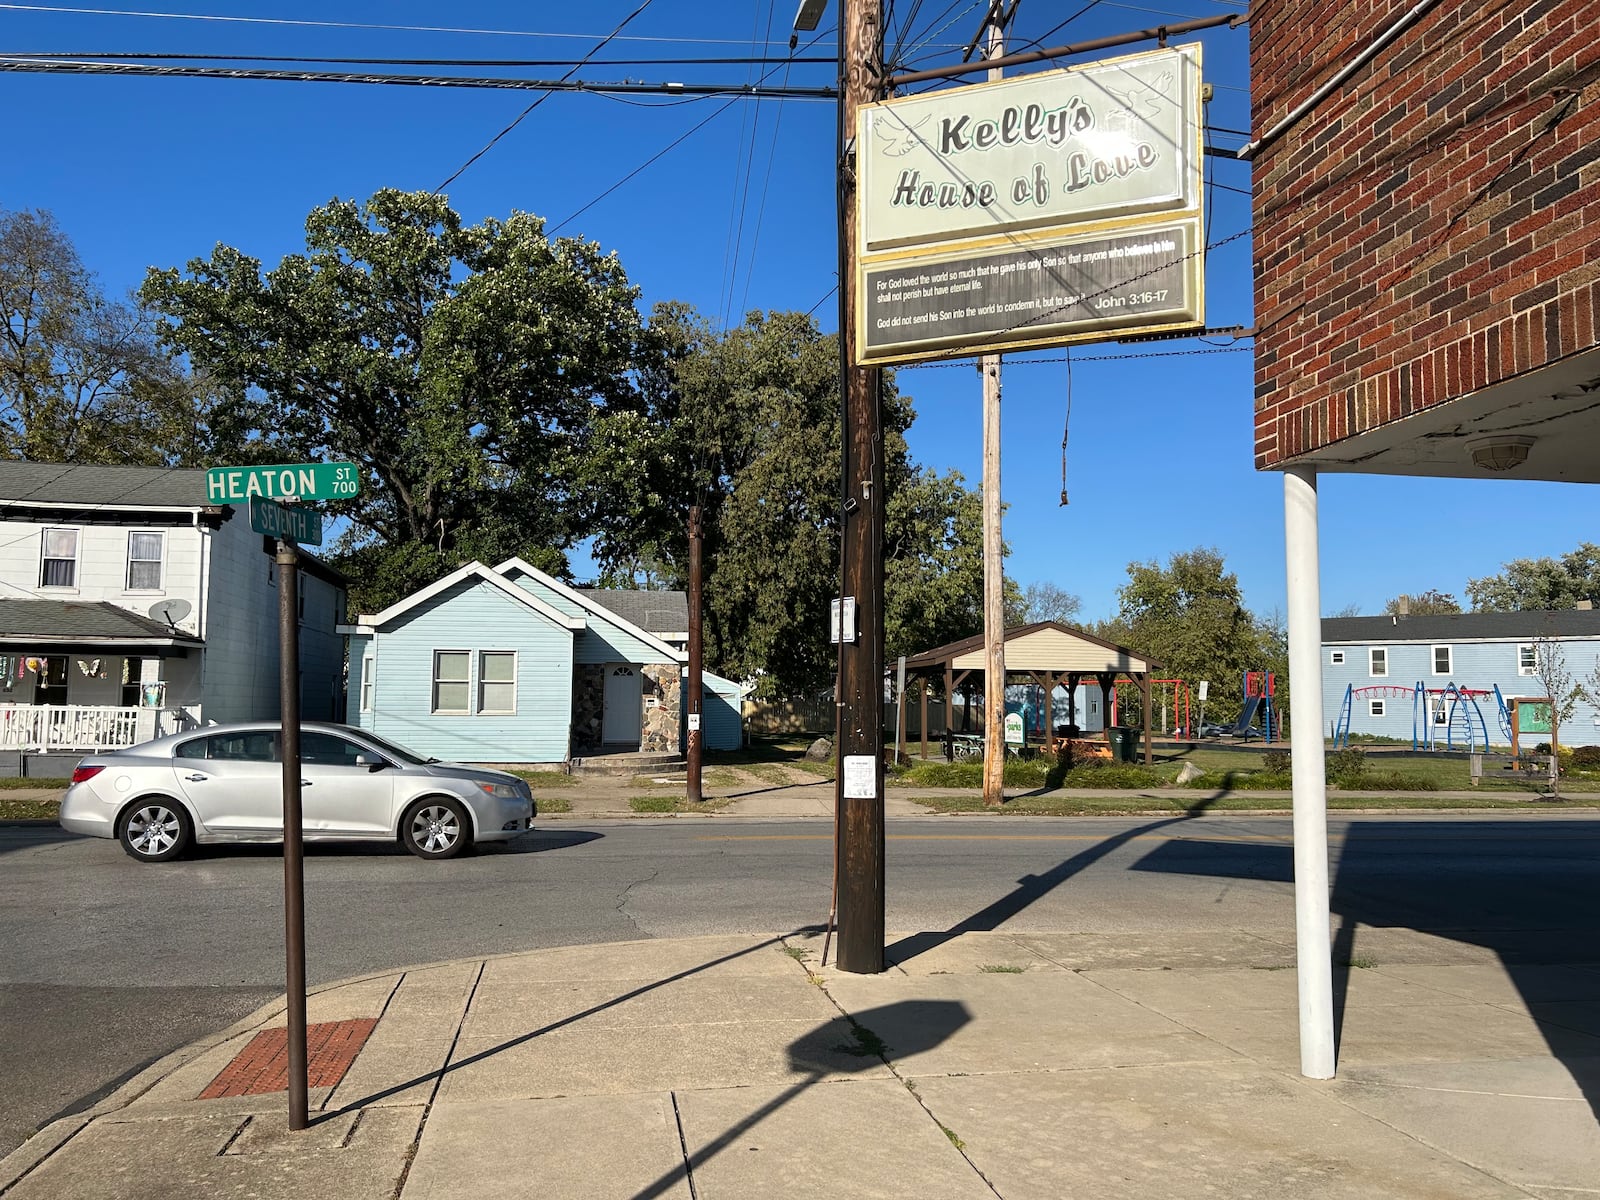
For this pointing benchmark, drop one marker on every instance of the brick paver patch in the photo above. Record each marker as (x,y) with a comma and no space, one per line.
(263,1066)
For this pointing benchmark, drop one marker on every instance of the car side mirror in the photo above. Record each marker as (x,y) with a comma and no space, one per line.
(371,764)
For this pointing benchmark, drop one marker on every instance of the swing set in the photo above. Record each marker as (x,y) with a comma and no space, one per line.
(1451,712)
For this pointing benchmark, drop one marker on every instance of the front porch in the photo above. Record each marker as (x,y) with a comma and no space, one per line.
(42,728)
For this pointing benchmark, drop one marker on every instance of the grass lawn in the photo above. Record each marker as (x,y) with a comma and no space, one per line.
(1394,772)
(17,808)
(675,804)
(547,779)
(784,749)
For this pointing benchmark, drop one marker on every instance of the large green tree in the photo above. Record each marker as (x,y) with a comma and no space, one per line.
(745,424)
(1540,583)
(1189,616)
(464,367)
(83,378)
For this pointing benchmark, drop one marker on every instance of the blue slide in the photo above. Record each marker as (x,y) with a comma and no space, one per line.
(1244,728)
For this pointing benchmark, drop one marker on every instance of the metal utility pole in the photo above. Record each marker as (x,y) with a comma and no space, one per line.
(859,847)
(696,648)
(294,887)
(994,612)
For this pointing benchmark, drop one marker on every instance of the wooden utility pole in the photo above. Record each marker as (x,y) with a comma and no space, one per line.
(859,844)
(994,611)
(692,689)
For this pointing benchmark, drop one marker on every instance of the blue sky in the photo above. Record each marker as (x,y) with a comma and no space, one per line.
(143,172)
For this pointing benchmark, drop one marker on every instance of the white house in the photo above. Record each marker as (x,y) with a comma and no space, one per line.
(130,606)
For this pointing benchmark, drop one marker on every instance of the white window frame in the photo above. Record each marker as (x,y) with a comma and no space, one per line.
(1441,710)
(484,681)
(77,554)
(433,707)
(1336,658)
(1449,660)
(1531,652)
(160,560)
(366,682)
(1376,708)
(1373,653)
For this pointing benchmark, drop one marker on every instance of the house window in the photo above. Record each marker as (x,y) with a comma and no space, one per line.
(1439,713)
(59,567)
(366,682)
(1336,658)
(452,690)
(1375,708)
(1378,660)
(497,681)
(144,561)
(1441,660)
(133,679)
(1527,660)
(52,686)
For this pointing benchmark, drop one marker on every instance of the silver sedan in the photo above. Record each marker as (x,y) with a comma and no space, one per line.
(224,783)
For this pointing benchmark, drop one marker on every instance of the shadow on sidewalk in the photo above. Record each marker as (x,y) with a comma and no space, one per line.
(1528,892)
(1032,887)
(925,1024)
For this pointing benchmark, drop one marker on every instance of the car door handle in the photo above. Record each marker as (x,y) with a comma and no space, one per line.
(305,783)
(197,778)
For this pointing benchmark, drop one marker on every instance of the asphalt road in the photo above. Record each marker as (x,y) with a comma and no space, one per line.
(106,964)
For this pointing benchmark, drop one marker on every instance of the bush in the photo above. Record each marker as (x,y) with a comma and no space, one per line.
(1395,781)
(1277,762)
(1348,765)
(1093,773)
(1586,756)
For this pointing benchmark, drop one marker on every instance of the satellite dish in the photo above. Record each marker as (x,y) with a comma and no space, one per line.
(170,612)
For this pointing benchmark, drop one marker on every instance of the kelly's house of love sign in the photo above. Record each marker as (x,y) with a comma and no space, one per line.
(1051,208)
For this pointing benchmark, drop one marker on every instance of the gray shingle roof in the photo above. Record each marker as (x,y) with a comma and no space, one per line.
(78,620)
(654,612)
(135,487)
(1571,622)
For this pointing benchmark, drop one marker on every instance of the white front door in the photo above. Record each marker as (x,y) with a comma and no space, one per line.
(624,705)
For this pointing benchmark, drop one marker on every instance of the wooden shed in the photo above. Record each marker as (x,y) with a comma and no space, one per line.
(1046,653)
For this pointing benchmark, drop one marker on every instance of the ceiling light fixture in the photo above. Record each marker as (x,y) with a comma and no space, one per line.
(1501,453)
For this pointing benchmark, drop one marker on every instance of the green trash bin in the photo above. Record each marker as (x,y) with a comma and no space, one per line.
(1124,743)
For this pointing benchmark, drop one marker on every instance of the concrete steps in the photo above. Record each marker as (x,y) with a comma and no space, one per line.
(628,764)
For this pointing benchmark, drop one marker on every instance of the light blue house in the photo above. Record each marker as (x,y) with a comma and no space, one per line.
(1443,679)
(507,664)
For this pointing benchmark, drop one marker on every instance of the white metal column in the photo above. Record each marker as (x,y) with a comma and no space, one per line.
(1313,954)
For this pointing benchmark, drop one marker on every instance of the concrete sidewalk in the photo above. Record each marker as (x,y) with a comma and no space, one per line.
(1025,1066)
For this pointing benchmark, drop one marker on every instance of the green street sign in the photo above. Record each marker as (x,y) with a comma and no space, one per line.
(303,525)
(299,481)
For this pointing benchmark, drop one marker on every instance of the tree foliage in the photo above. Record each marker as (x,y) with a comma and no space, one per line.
(1431,603)
(746,425)
(1189,616)
(1532,584)
(83,378)
(463,367)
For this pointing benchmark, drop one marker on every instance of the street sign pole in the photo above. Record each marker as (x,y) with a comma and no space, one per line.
(294,907)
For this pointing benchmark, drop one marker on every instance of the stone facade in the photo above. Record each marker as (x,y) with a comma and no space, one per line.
(588,706)
(1428,230)
(662,706)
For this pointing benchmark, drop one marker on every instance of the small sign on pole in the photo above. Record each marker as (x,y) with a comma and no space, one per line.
(301,481)
(843,613)
(1014,729)
(291,523)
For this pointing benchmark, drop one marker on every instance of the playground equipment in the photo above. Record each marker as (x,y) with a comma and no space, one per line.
(1462,720)
(1259,687)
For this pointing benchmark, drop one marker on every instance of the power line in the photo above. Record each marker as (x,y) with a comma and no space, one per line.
(500,83)
(734,60)
(180,16)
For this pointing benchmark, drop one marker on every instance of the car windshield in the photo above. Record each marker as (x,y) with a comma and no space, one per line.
(400,752)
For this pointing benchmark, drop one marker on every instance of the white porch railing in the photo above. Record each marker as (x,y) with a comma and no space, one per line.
(81,726)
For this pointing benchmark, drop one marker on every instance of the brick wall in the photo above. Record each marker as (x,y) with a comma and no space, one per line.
(1434,226)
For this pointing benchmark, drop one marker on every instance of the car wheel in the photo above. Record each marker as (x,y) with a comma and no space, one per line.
(436,828)
(156,830)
